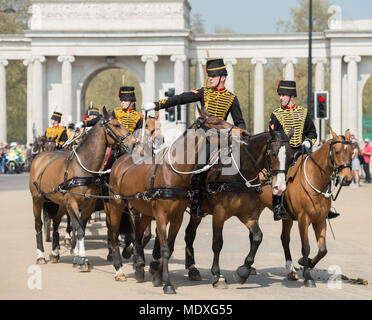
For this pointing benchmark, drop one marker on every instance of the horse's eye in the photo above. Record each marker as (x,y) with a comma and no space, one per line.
(337,152)
(117,126)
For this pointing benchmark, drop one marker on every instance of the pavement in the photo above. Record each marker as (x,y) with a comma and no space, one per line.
(350,253)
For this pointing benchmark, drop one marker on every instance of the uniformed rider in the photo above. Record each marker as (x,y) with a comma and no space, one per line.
(286,117)
(56,131)
(219,102)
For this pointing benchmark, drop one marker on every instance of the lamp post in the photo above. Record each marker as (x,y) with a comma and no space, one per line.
(309,65)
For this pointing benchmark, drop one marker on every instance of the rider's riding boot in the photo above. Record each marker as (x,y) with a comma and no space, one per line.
(197,181)
(278,208)
(332,214)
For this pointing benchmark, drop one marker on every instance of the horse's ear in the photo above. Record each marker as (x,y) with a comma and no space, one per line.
(271,130)
(105,113)
(141,116)
(334,135)
(291,133)
(347,135)
(203,112)
(157,115)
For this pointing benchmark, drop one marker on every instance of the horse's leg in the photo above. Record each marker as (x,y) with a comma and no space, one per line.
(219,280)
(109,231)
(146,236)
(190,235)
(54,255)
(255,236)
(138,253)
(114,222)
(157,280)
(67,239)
(161,224)
(47,226)
(320,233)
(303,224)
(285,238)
(126,229)
(37,208)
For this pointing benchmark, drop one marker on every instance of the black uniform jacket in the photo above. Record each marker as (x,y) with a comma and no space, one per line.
(218,103)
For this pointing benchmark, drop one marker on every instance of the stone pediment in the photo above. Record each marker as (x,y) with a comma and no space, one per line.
(109,15)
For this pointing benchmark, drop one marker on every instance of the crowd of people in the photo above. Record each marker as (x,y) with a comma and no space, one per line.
(14,150)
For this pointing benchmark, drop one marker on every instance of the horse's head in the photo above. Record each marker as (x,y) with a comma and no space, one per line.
(279,158)
(116,133)
(153,132)
(49,144)
(341,151)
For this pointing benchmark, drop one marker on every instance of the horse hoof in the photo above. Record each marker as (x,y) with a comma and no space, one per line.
(109,257)
(194,274)
(169,289)
(220,283)
(67,242)
(310,283)
(301,261)
(127,252)
(293,276)
(120,277)
(157,281)
(253,272)
(139,275)
(84,267)
(154,266)
(241,274)
(41,261)
(53,259)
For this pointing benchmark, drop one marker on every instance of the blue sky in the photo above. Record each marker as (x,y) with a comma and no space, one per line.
(260,16)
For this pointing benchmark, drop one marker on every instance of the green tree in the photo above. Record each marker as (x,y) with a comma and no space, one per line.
(16,73)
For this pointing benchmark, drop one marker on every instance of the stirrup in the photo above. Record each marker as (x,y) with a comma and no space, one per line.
(332,214)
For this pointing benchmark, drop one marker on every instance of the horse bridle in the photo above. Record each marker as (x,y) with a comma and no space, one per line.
(108,131)
(272,172)
(337,169)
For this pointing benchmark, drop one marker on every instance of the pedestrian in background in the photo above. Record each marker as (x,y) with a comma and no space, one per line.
(366,153)
(355,164)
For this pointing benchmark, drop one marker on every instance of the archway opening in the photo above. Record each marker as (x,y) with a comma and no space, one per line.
(367,110)
(103,89)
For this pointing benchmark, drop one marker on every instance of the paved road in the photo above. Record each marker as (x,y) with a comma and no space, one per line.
(351,252)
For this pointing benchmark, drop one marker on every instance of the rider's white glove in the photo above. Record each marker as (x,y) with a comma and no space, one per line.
(307,144)
(148,106)
(79,125)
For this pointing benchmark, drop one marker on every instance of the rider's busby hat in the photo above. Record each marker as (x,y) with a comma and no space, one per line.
(127,94)
(216,67)
(93,111)
(287,87)
(56,116)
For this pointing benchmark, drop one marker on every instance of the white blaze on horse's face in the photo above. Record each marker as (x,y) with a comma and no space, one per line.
(279,184)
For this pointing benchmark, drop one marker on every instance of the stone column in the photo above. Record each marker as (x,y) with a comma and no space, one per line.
(335,96)
(149,94)
(38,93)
(319,86)
(3,131)
(258,111)
(199,72)
(179,72)
(289,69)
(30,136)
(230,74)
(66,86)
(353,109)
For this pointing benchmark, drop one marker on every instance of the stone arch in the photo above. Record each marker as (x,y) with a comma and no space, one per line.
(89,75)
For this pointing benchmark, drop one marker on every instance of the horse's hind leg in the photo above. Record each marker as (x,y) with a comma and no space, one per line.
(190,235)
(320,233)
(285,238)
(67,239)
(47,226)
(54,255)
(37,208)
(219,280)
(303,225)
(255,236)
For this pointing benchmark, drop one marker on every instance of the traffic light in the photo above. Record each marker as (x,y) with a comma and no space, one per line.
(321,105)
(170,115)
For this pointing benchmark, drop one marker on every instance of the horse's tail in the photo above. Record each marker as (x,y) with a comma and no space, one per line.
(51,208)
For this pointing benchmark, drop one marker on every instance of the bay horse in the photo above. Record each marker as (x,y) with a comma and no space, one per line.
(160,192)
(309,198)
(152,144)
(54,174)
(237,195)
